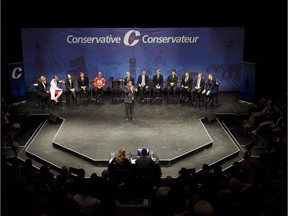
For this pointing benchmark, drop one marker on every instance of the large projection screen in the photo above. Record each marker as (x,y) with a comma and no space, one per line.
(113,51)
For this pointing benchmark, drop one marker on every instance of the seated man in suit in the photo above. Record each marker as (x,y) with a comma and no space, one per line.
(158,81)
(186,84)
(144,162)
(42,91)
(99,84)
(129,77)
(144,172)
(172,83)
(142,83)
(83,86)
(198,87)
(210,89)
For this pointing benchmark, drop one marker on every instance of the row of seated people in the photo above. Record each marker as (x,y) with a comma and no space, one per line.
(267,124)
(189,90)
(252,186)
(54,92)
(143,168)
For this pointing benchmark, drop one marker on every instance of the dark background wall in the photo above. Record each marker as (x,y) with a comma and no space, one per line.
(265,25)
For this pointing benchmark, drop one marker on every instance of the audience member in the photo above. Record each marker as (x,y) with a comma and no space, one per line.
(88,204)
(119,168)
(263,113)
(203,208)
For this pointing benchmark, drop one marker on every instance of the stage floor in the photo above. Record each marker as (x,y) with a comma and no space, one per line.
(169,132)
(175,132)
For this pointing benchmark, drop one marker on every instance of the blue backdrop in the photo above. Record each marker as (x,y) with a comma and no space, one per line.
(113,51)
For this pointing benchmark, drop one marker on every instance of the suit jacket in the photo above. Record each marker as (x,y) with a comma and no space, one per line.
(144,162)
(188,83)
(131,78)
(158,81)
(202,83)
(41,88)
(128,94)
(171,79)
(84,82)
(211,86)
(139,80)
(68,85)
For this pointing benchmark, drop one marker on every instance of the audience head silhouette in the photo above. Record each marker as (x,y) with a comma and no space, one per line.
(144,152)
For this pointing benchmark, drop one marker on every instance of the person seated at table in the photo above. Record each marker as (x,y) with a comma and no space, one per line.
(158,81)
(186,84)
(172,83)
(55,91)
(99,84)
(43,91)
(142,83)
(70,87)
(119,167)
(83,86)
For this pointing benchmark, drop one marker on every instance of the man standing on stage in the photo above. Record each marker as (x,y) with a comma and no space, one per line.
(129,91)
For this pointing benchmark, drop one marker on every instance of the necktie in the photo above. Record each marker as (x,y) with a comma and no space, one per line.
(70,82)
(198,83)
(186,79)
(158,77)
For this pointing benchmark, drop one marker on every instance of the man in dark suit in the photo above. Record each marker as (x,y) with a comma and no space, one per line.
(83,86)
(158,81)
(129,91)
(186,85)
(210,88)
(172,83)
(142,83)
(127,78)
(198,87)
(144,171)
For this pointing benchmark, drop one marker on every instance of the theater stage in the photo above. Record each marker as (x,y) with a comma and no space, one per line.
(179,134)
